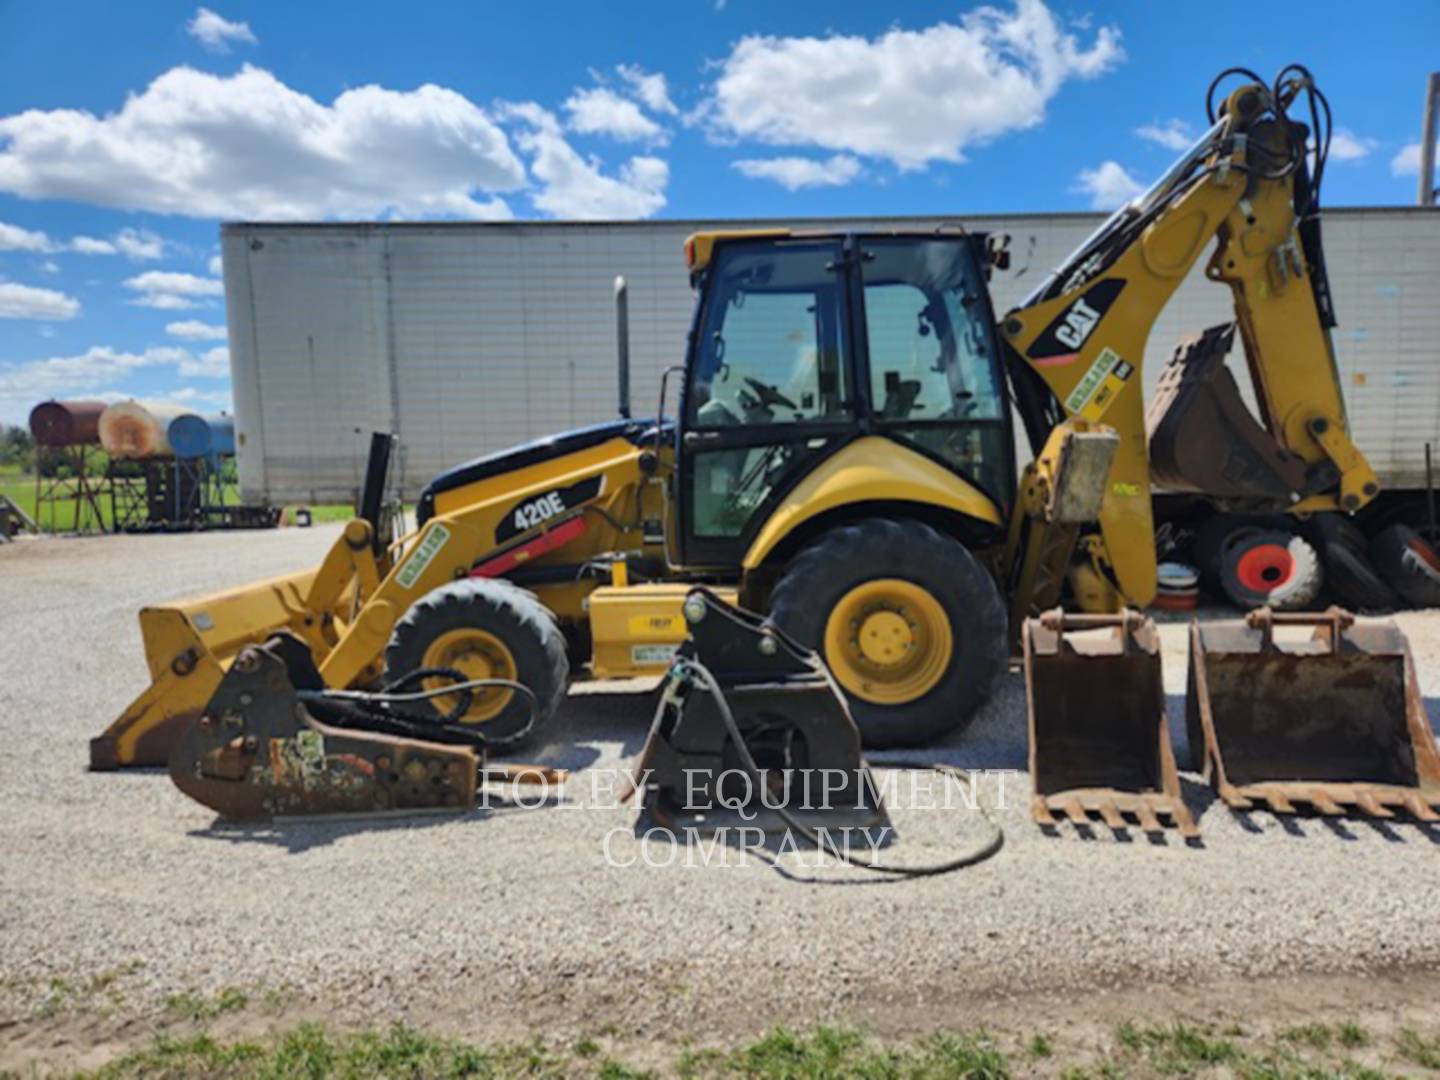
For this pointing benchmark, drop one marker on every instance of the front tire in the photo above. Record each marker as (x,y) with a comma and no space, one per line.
(486,628)
(910,624)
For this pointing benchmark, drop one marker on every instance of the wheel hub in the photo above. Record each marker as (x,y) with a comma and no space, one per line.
(888,641)
(477,654)
(885,637)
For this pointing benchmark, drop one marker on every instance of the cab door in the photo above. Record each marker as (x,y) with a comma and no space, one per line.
(931,358)
(770,389)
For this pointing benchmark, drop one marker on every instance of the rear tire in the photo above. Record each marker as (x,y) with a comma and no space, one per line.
(486,628)
(1409,564)
(941,580)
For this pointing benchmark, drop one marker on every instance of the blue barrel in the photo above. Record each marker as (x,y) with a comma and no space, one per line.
(193,436)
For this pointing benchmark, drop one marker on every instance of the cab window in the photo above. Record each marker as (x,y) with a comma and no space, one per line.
(770,350)
(934,375)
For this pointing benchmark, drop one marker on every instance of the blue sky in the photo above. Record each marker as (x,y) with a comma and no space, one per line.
(128,131)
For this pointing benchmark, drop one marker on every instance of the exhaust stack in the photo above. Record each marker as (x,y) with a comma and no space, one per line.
(622,342)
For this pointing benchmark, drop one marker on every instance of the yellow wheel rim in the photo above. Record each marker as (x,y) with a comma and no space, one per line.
(479,654)
(888,641)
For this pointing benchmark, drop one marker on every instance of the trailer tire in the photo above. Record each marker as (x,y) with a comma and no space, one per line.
(486,628)
(1409,564)
(959,625)
(1334,528)
(1270,568)
(1354,581)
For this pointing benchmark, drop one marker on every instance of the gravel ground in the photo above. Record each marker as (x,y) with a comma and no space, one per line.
(513,918)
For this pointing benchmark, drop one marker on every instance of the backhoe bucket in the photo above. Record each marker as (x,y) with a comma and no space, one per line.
(188,646)
(1333,719)
(1099,741)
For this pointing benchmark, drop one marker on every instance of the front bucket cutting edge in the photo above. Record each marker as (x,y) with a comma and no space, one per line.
(1099,740)
(1334,721)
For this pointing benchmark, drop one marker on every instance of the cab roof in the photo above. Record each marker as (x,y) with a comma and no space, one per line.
(700,246)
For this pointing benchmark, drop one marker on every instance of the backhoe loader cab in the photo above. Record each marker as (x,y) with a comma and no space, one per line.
(804,346)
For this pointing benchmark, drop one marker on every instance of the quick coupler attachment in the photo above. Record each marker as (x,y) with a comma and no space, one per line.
(1099,741)
(751,732)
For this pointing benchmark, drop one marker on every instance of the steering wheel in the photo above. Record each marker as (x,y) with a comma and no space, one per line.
(768,395)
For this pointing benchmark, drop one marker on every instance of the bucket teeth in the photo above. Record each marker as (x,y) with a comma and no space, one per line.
(1279,803)
(1111,815)
(1371,805)
(1148,821)
(1419,808)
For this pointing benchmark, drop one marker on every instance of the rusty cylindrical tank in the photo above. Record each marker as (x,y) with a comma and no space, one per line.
(66,423)
(130,429)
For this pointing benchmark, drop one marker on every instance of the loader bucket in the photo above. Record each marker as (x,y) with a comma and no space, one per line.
(188,647)
(1333,720)
(1099,741)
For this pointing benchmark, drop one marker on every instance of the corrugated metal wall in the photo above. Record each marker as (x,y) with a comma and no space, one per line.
(469,338)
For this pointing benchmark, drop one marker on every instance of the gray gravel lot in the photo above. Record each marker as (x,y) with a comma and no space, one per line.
(517,915)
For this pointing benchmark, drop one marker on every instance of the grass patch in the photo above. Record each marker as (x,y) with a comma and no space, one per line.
(189,1005)
(1311,1051)
(1419,1049)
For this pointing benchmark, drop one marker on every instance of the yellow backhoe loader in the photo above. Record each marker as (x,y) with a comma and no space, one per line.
(842,460)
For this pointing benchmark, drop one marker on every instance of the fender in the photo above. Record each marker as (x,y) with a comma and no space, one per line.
(871,469)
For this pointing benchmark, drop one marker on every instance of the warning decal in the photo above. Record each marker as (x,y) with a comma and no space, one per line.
(1100,386)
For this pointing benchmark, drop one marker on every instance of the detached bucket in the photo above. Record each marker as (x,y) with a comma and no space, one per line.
(1099,742)
(1333,719)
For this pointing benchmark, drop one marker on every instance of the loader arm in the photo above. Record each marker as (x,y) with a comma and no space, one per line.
(1076,344)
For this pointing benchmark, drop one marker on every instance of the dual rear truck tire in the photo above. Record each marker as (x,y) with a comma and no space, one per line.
(911,624)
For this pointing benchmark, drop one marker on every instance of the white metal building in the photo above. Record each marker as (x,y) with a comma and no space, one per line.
(468,338)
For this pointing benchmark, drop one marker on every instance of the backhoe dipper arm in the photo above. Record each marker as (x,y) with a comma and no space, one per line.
(1076,344)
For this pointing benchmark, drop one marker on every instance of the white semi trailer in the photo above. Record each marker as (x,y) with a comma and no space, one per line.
(465,338)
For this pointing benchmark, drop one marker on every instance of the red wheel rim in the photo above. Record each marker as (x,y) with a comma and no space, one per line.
(1265,568)
(1426,554)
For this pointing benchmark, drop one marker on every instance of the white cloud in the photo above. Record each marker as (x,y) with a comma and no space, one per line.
(188,395)
(650,88)
(195,330)
(50,266)
(21,385)
(139,244)
(248,146)
(1407,161)
(799,172)
(171,290)
(14,238)
(135,243)
(574,186)
(100,370)
(215,32)
(211,364)
(912,96)
(28,302)
(90,245)
(1109,186)
(216,266)
(601,111)
(1172,134)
